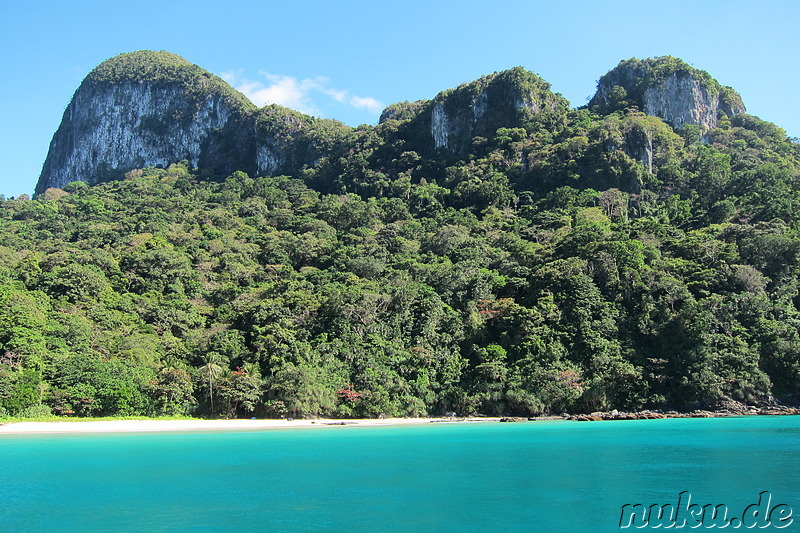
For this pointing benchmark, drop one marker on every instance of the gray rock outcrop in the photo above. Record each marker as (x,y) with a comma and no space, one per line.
(127,126)
(155,108)
(135,110)
(477,109)
(668,88)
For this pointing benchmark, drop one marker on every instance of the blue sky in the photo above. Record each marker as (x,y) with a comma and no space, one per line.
(349,59)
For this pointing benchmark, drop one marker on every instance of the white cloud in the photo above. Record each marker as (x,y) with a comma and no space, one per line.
(297,94)
(337,94)
(370,104)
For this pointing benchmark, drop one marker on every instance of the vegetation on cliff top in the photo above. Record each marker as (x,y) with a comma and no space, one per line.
(626,83)
(147,66)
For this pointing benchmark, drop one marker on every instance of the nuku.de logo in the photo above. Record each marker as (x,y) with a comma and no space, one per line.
(686,514)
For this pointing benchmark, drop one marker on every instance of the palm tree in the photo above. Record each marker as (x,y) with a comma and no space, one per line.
(212,368)
(252,369)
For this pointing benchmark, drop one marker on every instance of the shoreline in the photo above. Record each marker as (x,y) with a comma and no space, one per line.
(76,426)
(155,425)
(740,410)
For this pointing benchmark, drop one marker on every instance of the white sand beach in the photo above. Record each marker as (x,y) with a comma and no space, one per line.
(143,426)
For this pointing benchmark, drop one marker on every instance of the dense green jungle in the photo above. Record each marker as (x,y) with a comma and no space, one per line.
(549,265)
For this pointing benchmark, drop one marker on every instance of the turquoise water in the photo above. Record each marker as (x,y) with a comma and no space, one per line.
(532,476)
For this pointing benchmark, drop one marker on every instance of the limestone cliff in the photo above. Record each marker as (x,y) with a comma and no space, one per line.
(286,140)
(477,109)
(668,88)
(155,108)
(139,109)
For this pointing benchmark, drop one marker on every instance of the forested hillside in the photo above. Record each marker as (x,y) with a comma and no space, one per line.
(574,261)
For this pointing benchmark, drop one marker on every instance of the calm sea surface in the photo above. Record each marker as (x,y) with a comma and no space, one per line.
(531,476)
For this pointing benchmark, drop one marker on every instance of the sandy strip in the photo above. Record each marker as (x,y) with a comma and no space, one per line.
(139,426)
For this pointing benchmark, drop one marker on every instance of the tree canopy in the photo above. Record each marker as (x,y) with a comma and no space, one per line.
(575,263)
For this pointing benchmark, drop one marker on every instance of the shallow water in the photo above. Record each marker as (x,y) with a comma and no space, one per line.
(531,476)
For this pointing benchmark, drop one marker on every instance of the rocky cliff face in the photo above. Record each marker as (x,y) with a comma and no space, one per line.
(456,116)
(667,88)
(114,129)
(155,108)
(139,109)
(286,140)
(681,100)
(479,108)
